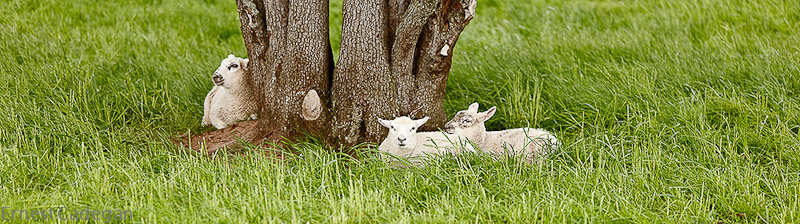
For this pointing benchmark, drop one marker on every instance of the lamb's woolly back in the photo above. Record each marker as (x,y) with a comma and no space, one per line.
(404,141)
(526,141)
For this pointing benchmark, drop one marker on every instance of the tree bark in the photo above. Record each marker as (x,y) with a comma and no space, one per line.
(290,56)
(395,59)
(362,85)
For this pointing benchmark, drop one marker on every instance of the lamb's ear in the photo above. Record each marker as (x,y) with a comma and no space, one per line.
(487,114)
(385,123)
(473,107)
(245,64)
(422,121)
(231,56)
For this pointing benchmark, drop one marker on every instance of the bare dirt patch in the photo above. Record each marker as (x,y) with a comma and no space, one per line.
(232,138)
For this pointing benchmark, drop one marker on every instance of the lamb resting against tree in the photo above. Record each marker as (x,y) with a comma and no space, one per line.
(230,100)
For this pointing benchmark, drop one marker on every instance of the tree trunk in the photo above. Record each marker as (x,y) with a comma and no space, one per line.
(290,55)
(395,59)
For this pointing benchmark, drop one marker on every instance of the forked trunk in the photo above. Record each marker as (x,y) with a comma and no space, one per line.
(395,59)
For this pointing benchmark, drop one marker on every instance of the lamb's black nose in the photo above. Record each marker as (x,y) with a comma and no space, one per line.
(217,78)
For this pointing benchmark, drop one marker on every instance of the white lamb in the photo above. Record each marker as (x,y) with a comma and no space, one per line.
(232,99)
(404,141)
(528,142)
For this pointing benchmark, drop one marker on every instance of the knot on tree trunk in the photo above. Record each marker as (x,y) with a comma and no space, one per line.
(312,106)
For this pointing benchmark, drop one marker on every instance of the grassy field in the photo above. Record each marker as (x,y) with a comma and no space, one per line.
(670,111)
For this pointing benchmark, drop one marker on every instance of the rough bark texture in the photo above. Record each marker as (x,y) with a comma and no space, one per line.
(391,53)
(362,83)
(290,55)
(395,58)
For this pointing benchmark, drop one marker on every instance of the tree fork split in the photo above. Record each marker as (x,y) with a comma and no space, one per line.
(395,58)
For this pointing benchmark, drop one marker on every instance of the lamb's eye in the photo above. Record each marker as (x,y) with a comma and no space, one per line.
(392,127)
(235,65)
(412,129)
(465,121)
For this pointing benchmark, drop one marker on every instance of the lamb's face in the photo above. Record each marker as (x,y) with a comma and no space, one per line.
(402,131)
(469,121)
(230,72)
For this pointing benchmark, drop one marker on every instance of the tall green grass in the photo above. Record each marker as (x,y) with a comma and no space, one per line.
(669,111)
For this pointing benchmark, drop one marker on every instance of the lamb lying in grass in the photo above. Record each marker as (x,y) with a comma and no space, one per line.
(232,98)
(404,141)
(528,142)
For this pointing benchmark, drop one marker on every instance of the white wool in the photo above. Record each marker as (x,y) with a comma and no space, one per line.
(231,99)
(404,142)
(528,142)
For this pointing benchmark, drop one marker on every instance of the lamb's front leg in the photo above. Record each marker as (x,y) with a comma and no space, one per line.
(207,107)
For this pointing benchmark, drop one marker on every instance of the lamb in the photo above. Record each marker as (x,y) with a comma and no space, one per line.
(404,141)
(232,99)
(528,142)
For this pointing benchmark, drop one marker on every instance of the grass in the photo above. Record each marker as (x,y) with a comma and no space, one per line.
(670,111)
